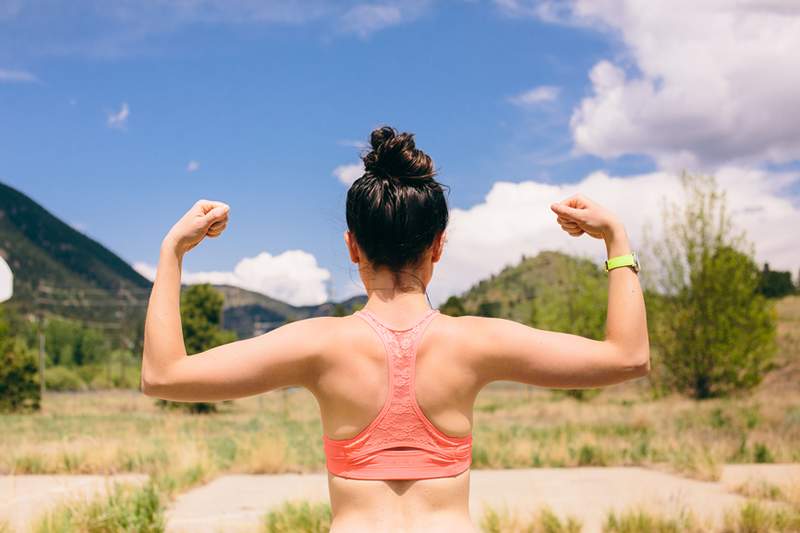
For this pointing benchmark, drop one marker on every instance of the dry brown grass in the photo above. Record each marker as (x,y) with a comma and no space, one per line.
(109,432)
(515,426)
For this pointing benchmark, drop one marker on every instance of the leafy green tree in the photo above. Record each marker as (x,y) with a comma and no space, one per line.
(201,319)
(713,333)
(19,371)
(490,309)
(71,343)
(576,304)
(775,283)
(454,306)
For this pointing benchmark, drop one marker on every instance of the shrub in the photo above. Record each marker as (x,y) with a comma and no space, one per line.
(201,319)
(714,333)
(61,378)
(124,508)
(299,517)
(19,372)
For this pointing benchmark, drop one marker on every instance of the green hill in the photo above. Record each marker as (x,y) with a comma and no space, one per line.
(60,271)
(250,313)
(513,292)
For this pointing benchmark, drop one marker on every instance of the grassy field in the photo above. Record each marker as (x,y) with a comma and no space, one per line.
(142,510)
(122,431)
(119,431)
(515,426)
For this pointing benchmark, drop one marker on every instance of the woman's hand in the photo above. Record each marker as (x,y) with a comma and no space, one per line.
(578,215)
(206,218)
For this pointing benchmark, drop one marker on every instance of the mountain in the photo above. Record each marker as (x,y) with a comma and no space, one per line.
(512,292)
(60,271)
(251,313)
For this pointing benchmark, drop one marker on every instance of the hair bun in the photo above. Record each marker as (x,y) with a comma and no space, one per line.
(395,155)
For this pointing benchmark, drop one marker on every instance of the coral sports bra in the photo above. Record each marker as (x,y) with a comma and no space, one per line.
(375,452)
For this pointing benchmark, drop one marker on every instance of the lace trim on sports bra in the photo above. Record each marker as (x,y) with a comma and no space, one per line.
(400,422)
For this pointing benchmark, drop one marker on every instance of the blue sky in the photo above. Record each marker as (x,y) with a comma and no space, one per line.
(118,118)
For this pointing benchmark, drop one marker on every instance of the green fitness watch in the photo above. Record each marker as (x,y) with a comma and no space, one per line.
(631,260)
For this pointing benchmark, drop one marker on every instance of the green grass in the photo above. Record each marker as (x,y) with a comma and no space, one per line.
(542,521)
(755,517)
(642,521)
(123,509)
(299,517)
(112,432)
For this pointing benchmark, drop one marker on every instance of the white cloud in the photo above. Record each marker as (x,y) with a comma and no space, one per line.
(292,276)
(347,174)
(16,76)
(712,82)
(353,143)
(145,269)
(119,120)
(515,219)
(535,96)
(125,27)
(547,10)
(365,19)
(192,166)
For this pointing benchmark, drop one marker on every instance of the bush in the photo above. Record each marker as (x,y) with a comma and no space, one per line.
(300,517)
(124,508)
(201,320)
(61,378)
(714,333)
(19,372)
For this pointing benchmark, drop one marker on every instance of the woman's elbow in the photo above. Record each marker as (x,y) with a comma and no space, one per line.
(154,386)
(641,364)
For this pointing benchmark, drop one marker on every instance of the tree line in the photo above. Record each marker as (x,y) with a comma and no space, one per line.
(711,316)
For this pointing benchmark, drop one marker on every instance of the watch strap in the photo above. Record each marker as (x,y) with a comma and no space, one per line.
(620,261)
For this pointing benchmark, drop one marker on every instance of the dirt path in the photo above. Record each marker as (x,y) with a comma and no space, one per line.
(238,502)
(23,498)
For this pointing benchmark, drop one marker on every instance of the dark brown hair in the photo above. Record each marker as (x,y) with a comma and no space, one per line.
(396,208)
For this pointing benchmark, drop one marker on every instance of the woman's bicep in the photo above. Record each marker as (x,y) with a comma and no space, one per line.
(285,356)
(510,351)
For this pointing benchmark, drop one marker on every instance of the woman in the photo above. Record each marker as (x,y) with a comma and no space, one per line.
(397,380)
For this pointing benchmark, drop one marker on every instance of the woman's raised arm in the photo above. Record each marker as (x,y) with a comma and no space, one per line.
(282,357)
(508,350)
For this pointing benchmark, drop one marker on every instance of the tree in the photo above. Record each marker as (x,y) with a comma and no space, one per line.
(490,309)
(575,304)
(71,343)
(19,372)
(201,320)
(453,307)
(775,283)
(712,331)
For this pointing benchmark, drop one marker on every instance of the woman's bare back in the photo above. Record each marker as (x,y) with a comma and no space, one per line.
(352,389)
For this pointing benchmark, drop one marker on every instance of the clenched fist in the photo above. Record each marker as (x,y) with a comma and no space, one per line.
(206,218)
(578,215)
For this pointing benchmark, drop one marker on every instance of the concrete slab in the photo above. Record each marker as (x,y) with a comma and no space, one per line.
(785,475)
(238,503)
(589,493)
(23,498)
